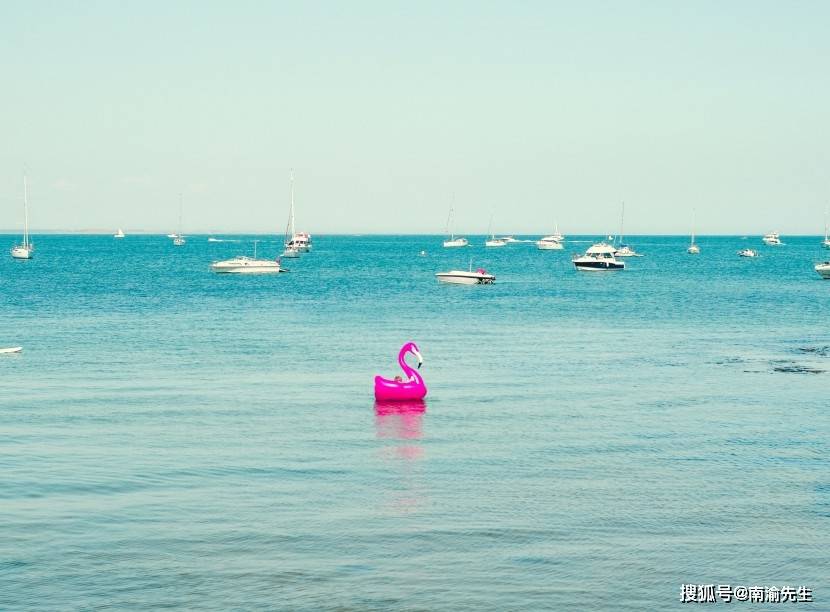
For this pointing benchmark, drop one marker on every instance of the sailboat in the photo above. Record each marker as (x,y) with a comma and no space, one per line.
(693,248)
(493,241)
(452,241)
(826,242)
(292,248)
(178,239)
(24,251)
(623,250)
(119,233)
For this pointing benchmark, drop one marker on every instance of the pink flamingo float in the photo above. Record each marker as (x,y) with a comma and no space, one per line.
(402,389)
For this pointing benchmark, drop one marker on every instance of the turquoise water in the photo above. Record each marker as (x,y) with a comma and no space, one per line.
(174,438)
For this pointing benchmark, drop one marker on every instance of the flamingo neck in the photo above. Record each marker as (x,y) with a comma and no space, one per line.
(407,369)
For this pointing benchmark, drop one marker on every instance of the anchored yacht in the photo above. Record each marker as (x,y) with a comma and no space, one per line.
(772,239)
(599,257)
(242,264)
(823,269)
(25,249)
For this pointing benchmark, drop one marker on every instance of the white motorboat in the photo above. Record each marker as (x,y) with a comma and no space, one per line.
(626,251)
(747,253)
(119,233)
(466,277)
(509,239)
(598,258)
(548,243)
(11,349)
(452,241)
(823,269)
(178,238)
(173,235)
(553,242)
(772,239)
(291,245)
(26,248)
(301,241)
(247,265)
(212,239)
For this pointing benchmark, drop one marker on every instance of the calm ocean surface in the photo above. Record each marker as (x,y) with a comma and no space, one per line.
(174,438)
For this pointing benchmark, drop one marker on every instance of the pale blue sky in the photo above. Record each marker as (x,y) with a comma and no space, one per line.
(534,111)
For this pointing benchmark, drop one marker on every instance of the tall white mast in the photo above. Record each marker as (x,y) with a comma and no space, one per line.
(622,221)
(293,227)
(25,212)
(181,206)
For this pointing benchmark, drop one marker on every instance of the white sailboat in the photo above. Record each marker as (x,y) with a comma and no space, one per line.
(493,241)
(693,248)
(826,242)
(119,233)
(25,250)
(623,250)
(452,241)
(178,239)
(291,247)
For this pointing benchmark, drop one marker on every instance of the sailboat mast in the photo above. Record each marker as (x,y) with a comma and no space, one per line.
(693,227)
(25,211)
(181,206)
(622,222)
(293,228)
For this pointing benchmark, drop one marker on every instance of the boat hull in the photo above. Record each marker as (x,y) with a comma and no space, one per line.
(250,266)
(823,270)
(465,278)
(452,244)
(599,266)
(19,252)
(549,245)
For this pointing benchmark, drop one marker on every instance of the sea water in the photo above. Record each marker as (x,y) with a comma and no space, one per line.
(171,437)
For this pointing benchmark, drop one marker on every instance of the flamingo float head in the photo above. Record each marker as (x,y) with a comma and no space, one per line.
(411,347)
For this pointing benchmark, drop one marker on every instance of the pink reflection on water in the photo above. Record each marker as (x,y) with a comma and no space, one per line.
(401,421)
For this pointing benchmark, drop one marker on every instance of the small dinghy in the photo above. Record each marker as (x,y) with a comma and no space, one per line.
(13,349)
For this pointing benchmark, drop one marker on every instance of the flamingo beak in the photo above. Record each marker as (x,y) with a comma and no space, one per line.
(420,359)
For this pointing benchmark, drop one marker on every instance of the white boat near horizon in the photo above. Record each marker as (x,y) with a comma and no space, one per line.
(290,246)
(26,248)
(492,241)
(119,233)
(600,257)
(747,253)
(552,242)
(178,238)
(452,241)
(772,239)
(624,250)
(826,242)
(242,264)
(693,248)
